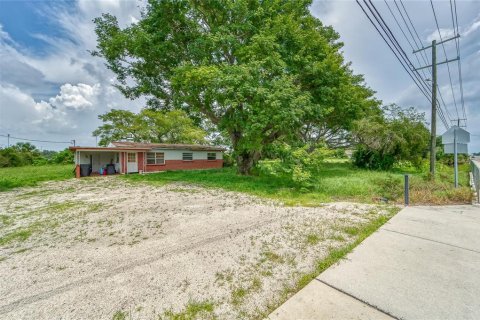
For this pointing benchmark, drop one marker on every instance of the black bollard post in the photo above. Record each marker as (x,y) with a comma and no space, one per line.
(407,196)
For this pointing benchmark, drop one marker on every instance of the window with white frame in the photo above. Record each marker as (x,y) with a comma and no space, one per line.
(132,157)
(187,156)
(212,156)
(155,158)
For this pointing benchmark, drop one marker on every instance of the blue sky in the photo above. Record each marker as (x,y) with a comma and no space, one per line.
(51,88)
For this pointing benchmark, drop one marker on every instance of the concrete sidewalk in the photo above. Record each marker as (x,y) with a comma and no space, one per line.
(423,264)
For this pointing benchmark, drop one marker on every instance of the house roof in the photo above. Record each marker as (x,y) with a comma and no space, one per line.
(176,146)
(75,148)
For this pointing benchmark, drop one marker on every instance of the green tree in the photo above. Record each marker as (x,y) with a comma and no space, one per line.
(258,70)
(148,126)
(395,135)
(63,157)
(20,154)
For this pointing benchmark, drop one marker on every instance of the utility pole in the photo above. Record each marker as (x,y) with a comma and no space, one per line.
(433,133)
(8,140)
(455,157)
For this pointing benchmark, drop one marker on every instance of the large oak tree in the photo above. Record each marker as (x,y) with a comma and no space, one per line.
(258,70)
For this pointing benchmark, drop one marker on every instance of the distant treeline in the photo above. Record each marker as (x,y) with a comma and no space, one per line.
(23,154)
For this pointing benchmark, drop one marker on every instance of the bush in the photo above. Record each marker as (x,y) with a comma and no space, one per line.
(23,154)
(228,160)
(339,153)
(301,165)
(397,135)
(363,157)
(63,157)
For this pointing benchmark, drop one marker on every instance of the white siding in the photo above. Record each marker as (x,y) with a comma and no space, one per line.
(177,154)
(99,159)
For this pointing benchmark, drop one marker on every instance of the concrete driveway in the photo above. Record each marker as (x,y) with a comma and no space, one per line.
(423,264)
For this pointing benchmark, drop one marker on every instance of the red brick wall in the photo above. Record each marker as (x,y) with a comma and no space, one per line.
(185,165)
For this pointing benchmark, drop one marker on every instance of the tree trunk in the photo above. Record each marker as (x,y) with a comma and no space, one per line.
(246,161)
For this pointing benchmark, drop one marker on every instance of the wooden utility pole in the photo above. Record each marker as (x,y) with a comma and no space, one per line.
(433,133)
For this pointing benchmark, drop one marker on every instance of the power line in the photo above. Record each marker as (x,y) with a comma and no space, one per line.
(455,23)
(416,47)
(423,54)
(397,50)
(34,140)
(406,38)
(446,57)
(414,29)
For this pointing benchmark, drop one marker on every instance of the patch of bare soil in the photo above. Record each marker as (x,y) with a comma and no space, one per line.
(102,248)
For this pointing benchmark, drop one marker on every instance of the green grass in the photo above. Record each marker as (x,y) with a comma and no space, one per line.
(30,175)
(194,310)
(21,234)
(334,255)
(337,181)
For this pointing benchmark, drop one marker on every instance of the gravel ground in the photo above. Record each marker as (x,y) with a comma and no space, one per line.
(101,248)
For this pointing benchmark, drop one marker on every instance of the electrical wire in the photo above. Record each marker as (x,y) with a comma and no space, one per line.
(457,42)
(414,49)
(422,52)
(398,51)
(33,140)
(446,58)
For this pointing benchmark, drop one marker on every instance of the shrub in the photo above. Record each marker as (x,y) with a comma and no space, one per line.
(396,135)
(363,157)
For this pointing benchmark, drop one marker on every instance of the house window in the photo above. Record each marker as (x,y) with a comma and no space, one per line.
(187,156)
(211,156)
(155,158)
(132,157)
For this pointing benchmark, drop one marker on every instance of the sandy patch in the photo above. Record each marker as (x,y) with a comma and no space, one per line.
(99,248)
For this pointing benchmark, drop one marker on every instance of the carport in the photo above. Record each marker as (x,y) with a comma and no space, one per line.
(107,160)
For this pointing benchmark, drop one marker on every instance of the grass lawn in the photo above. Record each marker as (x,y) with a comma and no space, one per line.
(338,181)
(30,175)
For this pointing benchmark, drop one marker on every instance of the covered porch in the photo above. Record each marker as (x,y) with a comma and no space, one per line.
(107,161)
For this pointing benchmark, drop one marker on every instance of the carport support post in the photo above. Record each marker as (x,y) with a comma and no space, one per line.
(407,196)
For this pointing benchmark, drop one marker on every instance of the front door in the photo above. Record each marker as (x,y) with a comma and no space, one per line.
(132,163)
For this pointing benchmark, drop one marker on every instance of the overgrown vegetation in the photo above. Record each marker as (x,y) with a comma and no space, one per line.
(148,125)
(260,71)
(336,181)
(24,154)
(396,135)
(28,176)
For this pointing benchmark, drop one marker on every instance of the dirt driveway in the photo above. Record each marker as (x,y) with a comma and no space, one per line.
(102,248)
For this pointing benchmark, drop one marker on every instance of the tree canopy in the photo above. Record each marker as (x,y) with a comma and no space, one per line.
(25,153)
(261,71)
(148,126)
(395,135)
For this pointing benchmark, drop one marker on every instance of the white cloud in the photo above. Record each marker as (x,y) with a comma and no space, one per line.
(20,113)
(79,97)
(445,34)
(472,28)
(59,94)
(80,86)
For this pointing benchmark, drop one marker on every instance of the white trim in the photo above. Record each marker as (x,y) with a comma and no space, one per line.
(155,158)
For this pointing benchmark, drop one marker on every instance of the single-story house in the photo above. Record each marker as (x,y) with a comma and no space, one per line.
(128,157)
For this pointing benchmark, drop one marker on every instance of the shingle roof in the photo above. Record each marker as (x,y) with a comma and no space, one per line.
(176,146)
